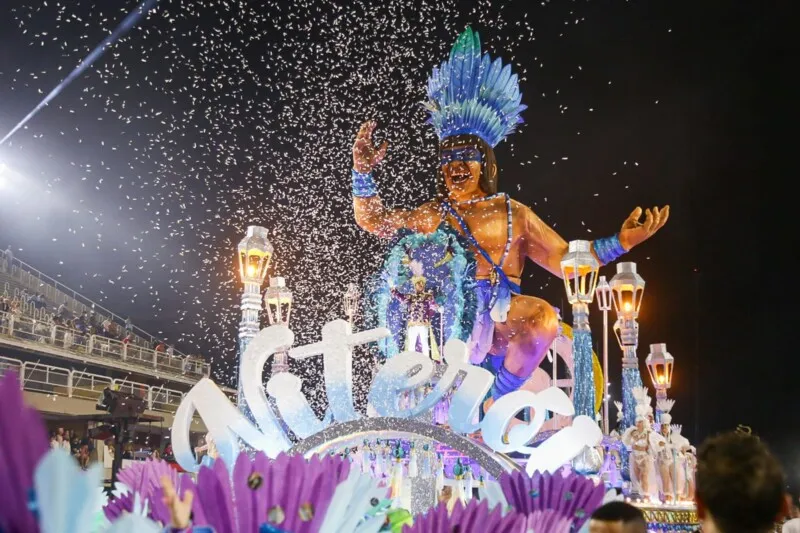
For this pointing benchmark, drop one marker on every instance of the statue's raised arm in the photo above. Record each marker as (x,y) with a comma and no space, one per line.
(371,214)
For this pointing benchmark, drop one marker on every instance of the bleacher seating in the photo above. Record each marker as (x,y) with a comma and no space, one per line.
(20,276)
(36,325)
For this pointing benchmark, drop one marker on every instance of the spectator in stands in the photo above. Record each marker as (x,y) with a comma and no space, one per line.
(61,312)
(156,455)
(39,302)
(83,457)
(160,347)
(9,256)
(128,325)
(61,442)
(740,485)
(170,351)
(617,517)
(127,450)
(5,306)
(15,306)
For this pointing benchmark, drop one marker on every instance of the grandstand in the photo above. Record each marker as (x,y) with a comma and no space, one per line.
(33,324)
(63,369)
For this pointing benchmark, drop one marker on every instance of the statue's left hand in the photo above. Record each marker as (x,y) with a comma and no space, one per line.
(634,232)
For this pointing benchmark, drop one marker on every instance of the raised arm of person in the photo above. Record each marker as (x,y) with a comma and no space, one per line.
(371,214)
(546,247)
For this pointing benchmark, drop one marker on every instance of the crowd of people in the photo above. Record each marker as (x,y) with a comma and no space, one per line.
(87,323)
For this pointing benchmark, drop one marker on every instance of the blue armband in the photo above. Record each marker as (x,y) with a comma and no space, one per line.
(363,185)
(608,249)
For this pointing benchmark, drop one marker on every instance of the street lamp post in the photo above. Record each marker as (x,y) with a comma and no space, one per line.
(627,288)
(659,365)
(579,269)
(604,304)
(278,301)
(255,252)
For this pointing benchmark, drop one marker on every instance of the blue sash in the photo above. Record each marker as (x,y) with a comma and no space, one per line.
(501,292)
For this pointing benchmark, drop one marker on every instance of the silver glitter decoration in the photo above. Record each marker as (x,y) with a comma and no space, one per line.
(588,462)
(338,435)
(423,494)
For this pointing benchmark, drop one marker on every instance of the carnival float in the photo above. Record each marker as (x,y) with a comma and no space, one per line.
(460,395)
(480,393)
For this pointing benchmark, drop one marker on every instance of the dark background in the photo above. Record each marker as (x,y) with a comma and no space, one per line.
(135,184)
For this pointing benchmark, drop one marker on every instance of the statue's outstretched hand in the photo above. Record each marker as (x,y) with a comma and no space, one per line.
(365,155)
(634,232)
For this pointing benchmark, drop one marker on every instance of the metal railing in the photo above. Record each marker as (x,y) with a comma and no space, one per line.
(98,347)
(58,381)
(58,293)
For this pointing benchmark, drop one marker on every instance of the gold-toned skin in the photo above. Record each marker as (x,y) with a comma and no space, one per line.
(532,323)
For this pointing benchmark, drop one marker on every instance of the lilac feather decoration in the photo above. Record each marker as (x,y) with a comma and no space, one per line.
(548,522)
(24,445)
(160,513)
(574,497)
(116,507)
(289,493)
(142,478)
(214,493)
(474,518)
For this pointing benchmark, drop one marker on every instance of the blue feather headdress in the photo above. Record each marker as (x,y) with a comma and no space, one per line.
(471,94)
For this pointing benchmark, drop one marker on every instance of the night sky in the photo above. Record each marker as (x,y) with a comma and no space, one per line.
(134,185)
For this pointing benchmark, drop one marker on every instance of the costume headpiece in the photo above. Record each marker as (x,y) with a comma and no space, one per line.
(416,272)
(676,429)
(643,407)
(665,406)
(471,94)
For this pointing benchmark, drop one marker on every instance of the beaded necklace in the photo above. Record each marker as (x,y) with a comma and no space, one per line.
(508,217)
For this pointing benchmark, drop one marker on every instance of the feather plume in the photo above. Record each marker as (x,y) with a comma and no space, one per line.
(573,497)
(665,405)
(24,444)
(475,517)
(66,497)
(471,94)
(620,414)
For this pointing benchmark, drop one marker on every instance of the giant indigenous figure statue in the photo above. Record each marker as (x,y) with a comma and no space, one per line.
(474,104)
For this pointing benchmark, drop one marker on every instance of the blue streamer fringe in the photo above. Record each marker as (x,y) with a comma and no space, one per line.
(583,373)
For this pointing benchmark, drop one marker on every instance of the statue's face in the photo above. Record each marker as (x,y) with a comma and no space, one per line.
(461,166)
(640,424)
(419,286)
(665,430)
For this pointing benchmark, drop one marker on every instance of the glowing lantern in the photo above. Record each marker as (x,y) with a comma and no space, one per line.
(255,252)
(659,364)
(278,300)
(628,288)
(579,268)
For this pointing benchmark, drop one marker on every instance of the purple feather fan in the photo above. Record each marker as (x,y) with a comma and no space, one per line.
(548,522)
(573,497)
(24,444)
(474,518)
(290,493)
(143,478)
